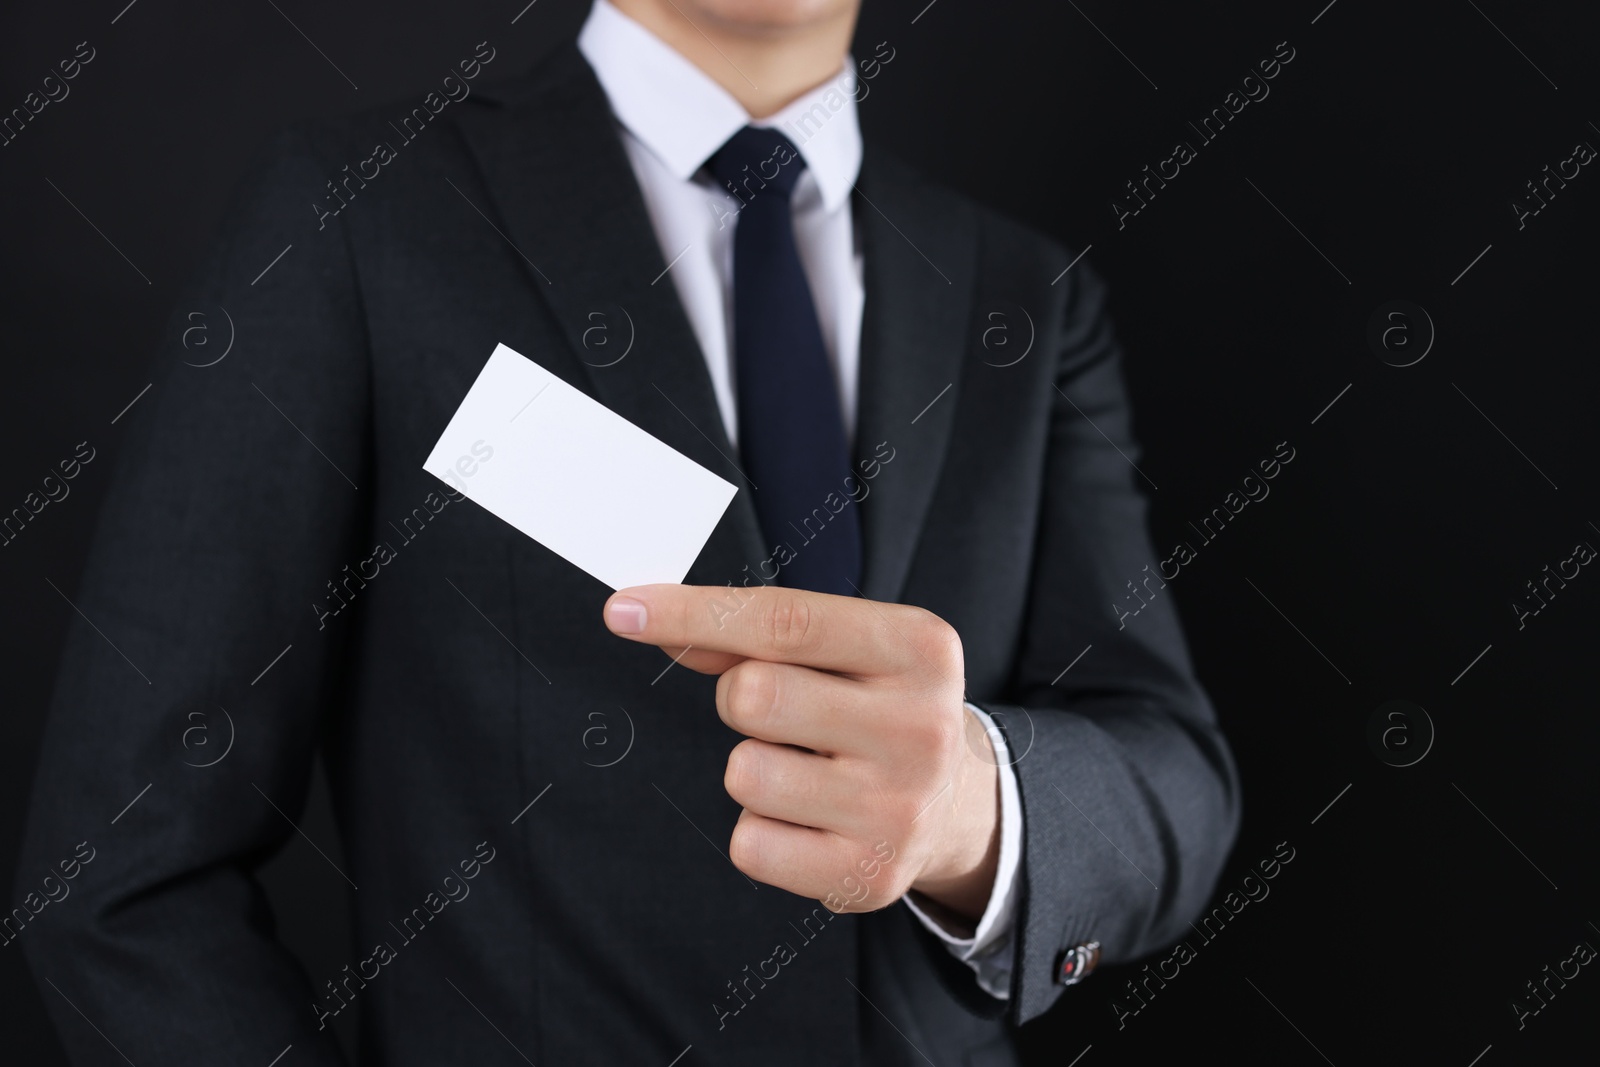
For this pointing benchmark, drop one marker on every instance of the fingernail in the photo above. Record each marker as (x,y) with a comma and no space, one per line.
(625,615)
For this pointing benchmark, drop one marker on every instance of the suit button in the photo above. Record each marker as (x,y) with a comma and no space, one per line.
(1077,962)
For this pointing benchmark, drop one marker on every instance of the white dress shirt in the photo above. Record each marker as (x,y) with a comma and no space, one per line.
(673,117)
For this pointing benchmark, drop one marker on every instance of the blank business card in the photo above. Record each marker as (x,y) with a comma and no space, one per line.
(577,477)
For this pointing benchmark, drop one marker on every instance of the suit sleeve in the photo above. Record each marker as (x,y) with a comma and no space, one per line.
(1129,792)
(234,502)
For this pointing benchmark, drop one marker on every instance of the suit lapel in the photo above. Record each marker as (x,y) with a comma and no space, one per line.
(919,248)
(555,168)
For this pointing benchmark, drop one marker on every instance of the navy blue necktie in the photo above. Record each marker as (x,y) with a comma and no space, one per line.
(791,427)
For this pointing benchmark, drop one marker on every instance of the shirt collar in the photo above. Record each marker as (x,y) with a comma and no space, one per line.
(682,116)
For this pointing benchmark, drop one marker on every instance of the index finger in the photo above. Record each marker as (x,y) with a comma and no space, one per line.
(833,633)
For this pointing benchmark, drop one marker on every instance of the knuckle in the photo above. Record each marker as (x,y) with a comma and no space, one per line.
(896,884)
(951,739)
(742,779)
(752,693)
(789,624)
(935,638)
(744,847)
(868,865)
(938,735)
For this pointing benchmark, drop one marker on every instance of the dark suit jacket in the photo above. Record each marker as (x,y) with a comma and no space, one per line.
(467,669)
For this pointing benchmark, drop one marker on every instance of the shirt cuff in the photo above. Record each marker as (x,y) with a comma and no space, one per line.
(991,950)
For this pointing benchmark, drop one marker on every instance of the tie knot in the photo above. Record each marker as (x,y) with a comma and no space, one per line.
(755,159)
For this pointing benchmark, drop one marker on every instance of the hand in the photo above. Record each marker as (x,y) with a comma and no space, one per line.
(864,775)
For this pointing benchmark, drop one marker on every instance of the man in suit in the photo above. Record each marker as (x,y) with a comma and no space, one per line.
(904,773)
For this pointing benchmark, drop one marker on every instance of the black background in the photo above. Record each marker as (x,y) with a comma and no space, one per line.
(1391,548)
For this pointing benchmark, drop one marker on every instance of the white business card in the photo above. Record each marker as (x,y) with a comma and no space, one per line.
(577,477)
